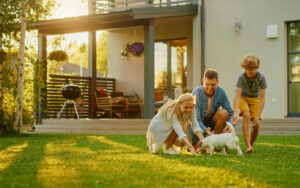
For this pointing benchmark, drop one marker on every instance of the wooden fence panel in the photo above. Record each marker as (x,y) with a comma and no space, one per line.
(55,100)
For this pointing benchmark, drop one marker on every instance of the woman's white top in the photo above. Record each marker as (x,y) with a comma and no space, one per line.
(158,130)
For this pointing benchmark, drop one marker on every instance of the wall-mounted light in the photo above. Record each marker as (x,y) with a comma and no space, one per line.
(237,24)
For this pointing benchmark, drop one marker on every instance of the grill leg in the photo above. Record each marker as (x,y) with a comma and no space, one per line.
(59,113)
(75,109)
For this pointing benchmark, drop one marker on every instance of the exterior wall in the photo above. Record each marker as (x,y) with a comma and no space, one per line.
(129,73)
(224,47)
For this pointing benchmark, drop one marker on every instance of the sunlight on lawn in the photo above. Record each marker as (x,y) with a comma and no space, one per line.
(9,154)
(67,164)
(281,145)
(238,162)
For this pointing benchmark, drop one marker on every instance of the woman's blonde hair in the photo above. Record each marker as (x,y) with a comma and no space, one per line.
(174,104)
(250,61)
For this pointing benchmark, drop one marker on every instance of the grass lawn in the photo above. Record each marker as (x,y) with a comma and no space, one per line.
(39,160)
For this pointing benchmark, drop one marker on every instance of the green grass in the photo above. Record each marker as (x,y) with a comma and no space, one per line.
(37,160)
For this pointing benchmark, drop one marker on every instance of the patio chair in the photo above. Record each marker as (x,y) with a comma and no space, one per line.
(111,106)
(133,104)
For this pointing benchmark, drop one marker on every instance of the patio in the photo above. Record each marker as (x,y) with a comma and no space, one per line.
(120,14)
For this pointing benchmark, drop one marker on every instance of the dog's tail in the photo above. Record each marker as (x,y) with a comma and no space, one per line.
(231,127)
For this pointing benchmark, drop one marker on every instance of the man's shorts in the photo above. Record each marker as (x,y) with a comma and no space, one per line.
(250,104)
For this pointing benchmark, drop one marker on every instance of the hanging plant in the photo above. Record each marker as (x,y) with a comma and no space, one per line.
(58,55)
(133,48)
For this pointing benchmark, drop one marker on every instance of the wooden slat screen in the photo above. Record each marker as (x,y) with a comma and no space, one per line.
(55,100)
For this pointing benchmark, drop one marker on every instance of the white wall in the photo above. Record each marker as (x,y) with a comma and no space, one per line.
(224,47)
(129,74)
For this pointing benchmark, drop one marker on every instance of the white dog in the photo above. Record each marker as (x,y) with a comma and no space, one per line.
(220,141)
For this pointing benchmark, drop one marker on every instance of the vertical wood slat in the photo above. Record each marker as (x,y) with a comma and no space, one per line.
(55,100)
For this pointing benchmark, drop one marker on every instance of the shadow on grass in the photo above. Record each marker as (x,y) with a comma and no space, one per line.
(22,172)
(7,141)
(84,142)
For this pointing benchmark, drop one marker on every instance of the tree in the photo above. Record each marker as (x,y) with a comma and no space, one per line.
(18,126)
(2,58)
(15,16)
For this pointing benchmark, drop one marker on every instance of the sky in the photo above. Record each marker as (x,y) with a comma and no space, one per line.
(72,8)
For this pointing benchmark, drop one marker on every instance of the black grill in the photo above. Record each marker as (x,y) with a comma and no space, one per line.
(71,91)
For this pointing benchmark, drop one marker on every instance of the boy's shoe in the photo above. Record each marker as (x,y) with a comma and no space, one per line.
(171,151)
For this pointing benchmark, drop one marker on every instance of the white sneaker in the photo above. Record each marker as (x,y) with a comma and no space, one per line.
(171,151)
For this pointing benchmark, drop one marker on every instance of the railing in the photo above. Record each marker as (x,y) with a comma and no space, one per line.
(107,6)
(55,100)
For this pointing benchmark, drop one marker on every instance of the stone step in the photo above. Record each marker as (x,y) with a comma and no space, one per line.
(140,126)
(94,127)
(64,131)
(92,121)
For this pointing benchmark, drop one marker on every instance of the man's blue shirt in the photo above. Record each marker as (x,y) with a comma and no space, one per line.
(219,100)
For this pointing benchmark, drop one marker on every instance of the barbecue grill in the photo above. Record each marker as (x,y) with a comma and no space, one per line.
(70,92)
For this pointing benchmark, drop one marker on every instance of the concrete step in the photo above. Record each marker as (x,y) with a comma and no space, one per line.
(140,126)
(103,132)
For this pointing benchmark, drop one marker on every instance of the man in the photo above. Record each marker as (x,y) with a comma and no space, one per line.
(212,106)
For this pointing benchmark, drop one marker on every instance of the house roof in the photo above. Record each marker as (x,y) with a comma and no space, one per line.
(127,18)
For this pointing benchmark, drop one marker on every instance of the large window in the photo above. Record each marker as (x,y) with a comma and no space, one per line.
(170,65)
(293,68)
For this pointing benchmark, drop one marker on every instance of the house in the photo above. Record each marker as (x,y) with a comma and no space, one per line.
(182,38)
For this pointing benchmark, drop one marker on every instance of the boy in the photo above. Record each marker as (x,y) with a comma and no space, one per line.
(250,98)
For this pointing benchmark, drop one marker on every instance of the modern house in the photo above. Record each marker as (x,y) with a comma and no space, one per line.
(182,38)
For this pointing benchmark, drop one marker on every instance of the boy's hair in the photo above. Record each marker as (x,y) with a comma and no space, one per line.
(211,74)
(250,61)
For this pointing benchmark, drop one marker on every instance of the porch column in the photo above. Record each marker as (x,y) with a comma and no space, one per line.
(92,69)
(41,74)
(149,103)
(92,59)
(169,68)
(198,47)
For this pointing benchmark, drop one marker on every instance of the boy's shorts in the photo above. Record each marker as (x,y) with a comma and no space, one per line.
(251,104)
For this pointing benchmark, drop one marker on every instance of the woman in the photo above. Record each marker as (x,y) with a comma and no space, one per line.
(169,126)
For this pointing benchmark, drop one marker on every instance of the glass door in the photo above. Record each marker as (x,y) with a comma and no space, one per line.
(293,69)
(170,66)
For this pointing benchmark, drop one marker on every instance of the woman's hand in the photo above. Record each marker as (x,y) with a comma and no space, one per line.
(191,148)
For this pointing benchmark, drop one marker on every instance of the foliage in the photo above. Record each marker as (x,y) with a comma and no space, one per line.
(10,36)
(11,14)
(76,52)
(2,56)
(124,161)
(10,87)
(58,55)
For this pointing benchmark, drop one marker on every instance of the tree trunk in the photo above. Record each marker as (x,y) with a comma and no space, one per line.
(18,124)
(3,130)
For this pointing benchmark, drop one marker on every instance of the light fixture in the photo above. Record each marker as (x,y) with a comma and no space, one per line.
(237,24)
